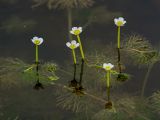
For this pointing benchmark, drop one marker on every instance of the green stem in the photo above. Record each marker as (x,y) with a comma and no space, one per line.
(74,76)
(81,48)
(69,12)
(74,56)
(146,79)
(81,74)
(36,53)
(108,85)
(119,60)
(118,37)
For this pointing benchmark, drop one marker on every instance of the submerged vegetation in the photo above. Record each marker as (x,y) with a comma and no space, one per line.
(92,87)
(86,94)
(91,101)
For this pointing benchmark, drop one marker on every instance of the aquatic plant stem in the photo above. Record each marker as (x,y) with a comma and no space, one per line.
(108,84)
(119,60)
(75,70)
(37,71)
(150,66)
(81,74)
(69,12)
(36,53)
(118,49)
(81,48)
(118,37)
(74,56)
(37,64)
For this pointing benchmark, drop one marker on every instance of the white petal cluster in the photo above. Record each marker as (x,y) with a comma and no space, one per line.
(119,21)
(37,40)
(107,66)
(76,30)
(72,45)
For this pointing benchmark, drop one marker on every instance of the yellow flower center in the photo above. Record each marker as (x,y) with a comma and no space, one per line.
(77,32)
(119,23)
(37,42)
(72,46)
(108,68)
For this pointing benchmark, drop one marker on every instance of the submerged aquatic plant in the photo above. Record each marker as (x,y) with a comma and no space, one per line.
(119,22)
(47,72)
(77,86)
(140,50)
(155,101)
(73,45)
(64,3)
(73,102)
(37,41)
(10,72)
(142,53)
(76,31)
(108,67)
(126,107)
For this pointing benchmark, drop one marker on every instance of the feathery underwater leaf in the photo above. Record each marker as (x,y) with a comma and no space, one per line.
(140,50)
(51,4)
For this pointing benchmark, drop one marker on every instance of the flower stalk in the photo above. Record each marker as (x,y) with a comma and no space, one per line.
(37,41)
(108,67)
(74,56)
(118,38)
(119,60)
(80,45)
(81,73)
(37,60)
(76,31)
(108,84)
(73,45)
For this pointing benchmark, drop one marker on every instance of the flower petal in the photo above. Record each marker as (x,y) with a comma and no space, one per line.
(104,65)
(124,22)
(74,28)
(73,42)
(41,40)
(34,38)
(121,19)
(77,45)
(115,20)
(68,44)
(71,32)
(107,66)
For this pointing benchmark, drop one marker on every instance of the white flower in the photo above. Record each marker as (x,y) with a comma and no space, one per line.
(119,21)
(76,30)
(37,41)
(73,44)
(107,66)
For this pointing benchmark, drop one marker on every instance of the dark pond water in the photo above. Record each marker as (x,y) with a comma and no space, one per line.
(21,20)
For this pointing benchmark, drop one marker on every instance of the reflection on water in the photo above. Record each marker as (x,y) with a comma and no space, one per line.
(63,90)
